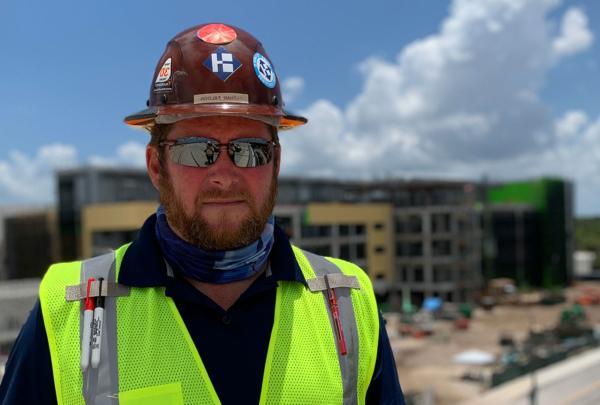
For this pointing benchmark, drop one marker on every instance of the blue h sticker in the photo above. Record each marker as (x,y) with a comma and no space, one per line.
(222,63)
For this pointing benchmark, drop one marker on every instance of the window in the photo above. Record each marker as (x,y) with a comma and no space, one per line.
(464,249)
(440,222)
(410,224)
(315,231)
(442,273)
(344,230)
(360,251)
(345,251)
(404,273)
(379,249)
(379,226)
(285,223)
(418,274)
(351,251)
(323,250)
(351,230)
(441,248)
(409,249)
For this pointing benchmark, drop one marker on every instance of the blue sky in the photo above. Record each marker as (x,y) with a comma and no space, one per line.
(453,89)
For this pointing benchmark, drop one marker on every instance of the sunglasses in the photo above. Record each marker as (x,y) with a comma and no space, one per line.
(203,152)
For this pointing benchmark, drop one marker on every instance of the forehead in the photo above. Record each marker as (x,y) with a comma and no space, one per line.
(220,128)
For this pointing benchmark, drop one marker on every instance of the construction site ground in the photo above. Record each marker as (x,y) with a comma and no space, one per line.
(426,363)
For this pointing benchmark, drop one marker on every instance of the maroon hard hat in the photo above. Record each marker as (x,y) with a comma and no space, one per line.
(214,69)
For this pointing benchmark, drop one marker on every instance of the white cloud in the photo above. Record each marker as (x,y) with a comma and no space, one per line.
(291,88)
(575,35)
(570,124)
(130,154)
(462,102)
(31,178)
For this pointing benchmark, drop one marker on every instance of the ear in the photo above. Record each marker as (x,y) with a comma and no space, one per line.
(152,164)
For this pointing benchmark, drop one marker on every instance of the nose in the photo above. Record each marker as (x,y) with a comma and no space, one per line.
(223,172)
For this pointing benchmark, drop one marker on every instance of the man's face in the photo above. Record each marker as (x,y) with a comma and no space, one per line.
(221,206)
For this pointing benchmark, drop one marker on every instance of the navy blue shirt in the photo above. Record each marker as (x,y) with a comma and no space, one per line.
(232,343)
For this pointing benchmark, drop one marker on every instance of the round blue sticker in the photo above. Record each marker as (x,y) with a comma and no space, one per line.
(264,71)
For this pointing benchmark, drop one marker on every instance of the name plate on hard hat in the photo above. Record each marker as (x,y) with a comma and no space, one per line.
(211,98)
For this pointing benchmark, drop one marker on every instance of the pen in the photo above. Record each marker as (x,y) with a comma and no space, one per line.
(335,313)
(87,327)
(97,329)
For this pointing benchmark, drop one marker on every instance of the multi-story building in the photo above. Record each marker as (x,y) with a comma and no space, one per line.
(30,240)
(438,252)
(361,232)
(420,238)
(83,186)
(416,239)
(515,249)
(540,232)
(423,237)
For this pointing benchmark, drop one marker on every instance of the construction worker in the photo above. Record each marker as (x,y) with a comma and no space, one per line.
(210,303)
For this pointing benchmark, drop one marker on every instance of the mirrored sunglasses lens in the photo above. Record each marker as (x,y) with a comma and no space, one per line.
(197,154)
(250,154)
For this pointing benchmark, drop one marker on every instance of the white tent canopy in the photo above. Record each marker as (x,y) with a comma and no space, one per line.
(474,358)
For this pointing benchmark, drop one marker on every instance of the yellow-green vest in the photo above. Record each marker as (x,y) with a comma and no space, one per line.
(156,361)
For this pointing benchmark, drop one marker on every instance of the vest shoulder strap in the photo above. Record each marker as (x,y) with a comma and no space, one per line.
(329,277)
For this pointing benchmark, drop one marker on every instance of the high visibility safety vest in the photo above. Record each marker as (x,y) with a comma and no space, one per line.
(148,356)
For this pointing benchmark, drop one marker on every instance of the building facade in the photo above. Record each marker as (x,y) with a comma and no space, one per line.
(31,243)
(549,228)
(84,186)
(416,239)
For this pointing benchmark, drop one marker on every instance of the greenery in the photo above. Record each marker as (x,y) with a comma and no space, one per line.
(587,236)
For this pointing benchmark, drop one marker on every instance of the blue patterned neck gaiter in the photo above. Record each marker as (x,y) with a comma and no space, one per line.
(213,266)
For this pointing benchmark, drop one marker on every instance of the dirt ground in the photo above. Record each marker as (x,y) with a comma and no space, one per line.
(426,363)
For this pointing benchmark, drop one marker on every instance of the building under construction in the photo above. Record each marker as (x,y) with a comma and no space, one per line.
(416,239)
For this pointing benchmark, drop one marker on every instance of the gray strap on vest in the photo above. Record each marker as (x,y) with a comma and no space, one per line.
(336,280)
(101,385)
(78,292)
(342,284)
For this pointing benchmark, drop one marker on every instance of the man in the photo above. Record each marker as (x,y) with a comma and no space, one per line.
(210,303)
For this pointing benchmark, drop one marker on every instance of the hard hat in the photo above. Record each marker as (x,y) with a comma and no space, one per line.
(214,69)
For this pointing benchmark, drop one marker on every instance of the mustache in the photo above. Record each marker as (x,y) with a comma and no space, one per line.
(236,193)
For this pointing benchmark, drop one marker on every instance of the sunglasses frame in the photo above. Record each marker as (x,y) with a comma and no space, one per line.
(188,140)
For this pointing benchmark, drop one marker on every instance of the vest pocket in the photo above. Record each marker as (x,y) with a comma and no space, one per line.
(167,394)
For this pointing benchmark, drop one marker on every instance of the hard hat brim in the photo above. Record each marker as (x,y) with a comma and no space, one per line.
(169,114)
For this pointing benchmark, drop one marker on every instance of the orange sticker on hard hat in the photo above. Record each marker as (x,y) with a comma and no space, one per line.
(164,73)
(163,78)
(217,34)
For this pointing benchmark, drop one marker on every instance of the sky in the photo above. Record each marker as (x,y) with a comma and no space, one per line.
(463,89)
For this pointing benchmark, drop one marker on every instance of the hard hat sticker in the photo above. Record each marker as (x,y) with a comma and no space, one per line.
(217,34)
(164,74)
(264,70)
(213,98)
(222,63)
(163,78)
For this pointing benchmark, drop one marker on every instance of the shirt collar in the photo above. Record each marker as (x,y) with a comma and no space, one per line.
(143,264)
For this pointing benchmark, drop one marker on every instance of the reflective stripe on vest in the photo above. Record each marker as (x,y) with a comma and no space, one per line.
(348,362)
(302,358)
(105,378)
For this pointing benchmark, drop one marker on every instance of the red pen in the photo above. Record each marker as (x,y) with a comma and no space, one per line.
(335,313)
(86,335)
